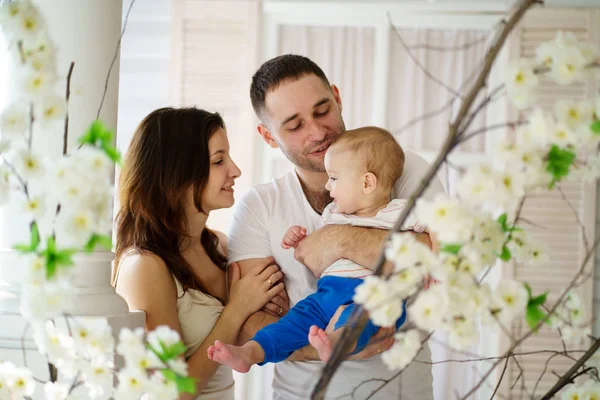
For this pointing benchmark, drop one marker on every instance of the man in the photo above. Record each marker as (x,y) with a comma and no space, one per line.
(300,113)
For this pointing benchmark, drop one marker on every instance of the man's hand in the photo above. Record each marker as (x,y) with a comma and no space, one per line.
(320,249)
(380,342)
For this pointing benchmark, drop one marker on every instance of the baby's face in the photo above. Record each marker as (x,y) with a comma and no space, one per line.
(345,182)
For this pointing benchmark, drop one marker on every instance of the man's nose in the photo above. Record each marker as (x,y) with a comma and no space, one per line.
(317,131)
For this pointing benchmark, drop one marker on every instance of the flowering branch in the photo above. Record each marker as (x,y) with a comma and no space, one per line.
(359,319)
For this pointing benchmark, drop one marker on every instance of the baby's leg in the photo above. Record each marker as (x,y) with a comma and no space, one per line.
(323,342)
(238,358)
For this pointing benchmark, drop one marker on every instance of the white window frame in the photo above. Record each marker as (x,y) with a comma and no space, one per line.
(466,15)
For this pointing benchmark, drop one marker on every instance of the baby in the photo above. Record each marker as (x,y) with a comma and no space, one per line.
(363,166)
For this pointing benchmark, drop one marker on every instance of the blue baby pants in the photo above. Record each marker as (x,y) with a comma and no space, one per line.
(280,339)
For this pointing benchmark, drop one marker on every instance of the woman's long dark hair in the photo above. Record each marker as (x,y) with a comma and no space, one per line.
(167,155)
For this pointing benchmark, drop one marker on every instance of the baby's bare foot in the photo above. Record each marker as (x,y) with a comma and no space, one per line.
(232,356)
(320,341)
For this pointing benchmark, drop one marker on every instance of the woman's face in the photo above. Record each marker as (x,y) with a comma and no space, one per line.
(223,172)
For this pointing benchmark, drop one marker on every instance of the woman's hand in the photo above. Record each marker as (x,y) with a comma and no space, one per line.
(250,293)
(279,305)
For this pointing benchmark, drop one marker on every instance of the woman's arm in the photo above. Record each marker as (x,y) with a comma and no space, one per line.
(146,284)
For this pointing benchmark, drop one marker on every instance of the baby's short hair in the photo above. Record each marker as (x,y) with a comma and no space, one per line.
(377,150)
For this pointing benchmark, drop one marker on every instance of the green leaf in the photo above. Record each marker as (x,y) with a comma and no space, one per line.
(558,163)
(451,248)
(184,384)
(95,240)
(595,127)
(64,258)
(111,152)
(533,316)
(34,241)
(50,267)
(175,350)
(502,221)
(505,255)
(528,288)
(538,301)
(158,354)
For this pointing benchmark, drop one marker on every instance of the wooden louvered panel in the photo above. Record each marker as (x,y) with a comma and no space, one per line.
(215,50)
(553,221)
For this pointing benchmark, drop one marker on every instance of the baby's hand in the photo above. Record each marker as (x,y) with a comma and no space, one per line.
(293,235)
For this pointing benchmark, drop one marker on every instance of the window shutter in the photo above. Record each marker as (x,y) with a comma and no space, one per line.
(215,48)
(549,217)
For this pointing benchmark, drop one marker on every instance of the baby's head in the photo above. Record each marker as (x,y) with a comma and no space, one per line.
(363,165)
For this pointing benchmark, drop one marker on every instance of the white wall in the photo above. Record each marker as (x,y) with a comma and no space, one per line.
(145,59)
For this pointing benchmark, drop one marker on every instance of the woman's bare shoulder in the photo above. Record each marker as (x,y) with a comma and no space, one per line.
(144,276)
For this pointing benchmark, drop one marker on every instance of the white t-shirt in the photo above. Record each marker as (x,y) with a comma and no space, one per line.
(260,220)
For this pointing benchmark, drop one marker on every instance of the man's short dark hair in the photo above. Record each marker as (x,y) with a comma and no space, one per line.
(277,70)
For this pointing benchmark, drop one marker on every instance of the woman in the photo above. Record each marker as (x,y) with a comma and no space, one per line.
(169,264)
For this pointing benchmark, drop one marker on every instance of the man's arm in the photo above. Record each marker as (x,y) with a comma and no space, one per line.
(362,245)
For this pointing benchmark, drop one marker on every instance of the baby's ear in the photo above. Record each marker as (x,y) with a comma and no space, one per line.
(369,182)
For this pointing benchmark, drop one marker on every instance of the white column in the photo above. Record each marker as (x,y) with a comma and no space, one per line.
(85,32)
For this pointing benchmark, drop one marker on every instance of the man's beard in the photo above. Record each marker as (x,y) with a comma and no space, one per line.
(303,161)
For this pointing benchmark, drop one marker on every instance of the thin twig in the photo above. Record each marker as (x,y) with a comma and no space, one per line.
(402,370)
(67,95)
(576,214)
(543,320)
(568,376)
(556,353)
(461,47)
(490,128)
(416,61)
(112,63)
(359,317)
(501,377)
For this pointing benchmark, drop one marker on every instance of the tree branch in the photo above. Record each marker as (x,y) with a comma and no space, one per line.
(568,376)
(359,317)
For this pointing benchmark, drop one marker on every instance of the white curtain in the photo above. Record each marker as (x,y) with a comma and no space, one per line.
(413,93)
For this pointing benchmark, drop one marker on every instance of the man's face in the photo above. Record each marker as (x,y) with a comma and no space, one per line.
(302,118)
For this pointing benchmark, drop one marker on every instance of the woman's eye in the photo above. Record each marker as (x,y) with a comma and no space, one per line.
(218,162)
(295,128)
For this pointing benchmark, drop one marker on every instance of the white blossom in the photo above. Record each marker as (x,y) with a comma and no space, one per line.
(57,346)
(161,388)
(591,390)
(35,84)
(143,360)
(50,109)
(56,391)
(4,185)
(19,381)
(573,393)
(74,227)
(476,185)
(568,66)
(180,367)
(521,82)
(403,351)
(132,384)
(14,121)
(447,217)
(41,302)
(509,300)
(462,333)
(404,250)
(98,377)
(372,292)
(131,342)
(405,282)
(34,207)
(163,334)
(39,53)
(428,311)
(574,113)
(29,165)
(387,314)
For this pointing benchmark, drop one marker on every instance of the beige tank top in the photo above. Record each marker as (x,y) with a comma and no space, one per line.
(198,313)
